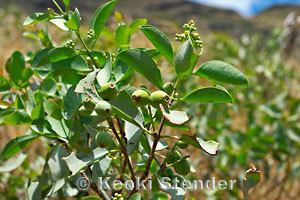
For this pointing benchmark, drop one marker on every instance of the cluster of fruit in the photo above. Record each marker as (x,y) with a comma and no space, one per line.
(91,34)
(140,97)
(190,32)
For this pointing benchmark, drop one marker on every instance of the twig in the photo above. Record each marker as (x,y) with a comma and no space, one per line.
(123,148)
(87,49)
(57,5)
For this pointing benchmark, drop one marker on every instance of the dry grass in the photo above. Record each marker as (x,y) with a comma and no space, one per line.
(278,186)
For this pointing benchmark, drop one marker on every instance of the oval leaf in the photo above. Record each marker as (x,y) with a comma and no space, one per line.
(159,40)
(184,60)
(223,72)
(210,147)
(16,145)
(209,95)
(175,117)
(143,64)
(101,16)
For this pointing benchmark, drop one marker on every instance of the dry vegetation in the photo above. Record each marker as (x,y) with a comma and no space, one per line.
(279,186)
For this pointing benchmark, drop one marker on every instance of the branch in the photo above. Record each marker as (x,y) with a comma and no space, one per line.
(123,148)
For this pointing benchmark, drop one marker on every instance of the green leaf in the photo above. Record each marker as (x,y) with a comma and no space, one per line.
(67,4)
(134,26)
(159,40)
(209,95)
(48,86)
(16,145)
(124,108)
(183,60)
(15,66)
(210,147)
(53,108)
(176,193)
(223,72)
(59,127)
(175,117)
(13,163)
(143,64)
(57,166)
(122,71)
(123,34)
(60,53)
(101,16)
(60,23)
(4,84)
(251,179)
(136,196)
(34,191)
(36,18)
(74,22)
(73,101)
(75,165)
(133,134)
(104,75)
(14,117)
(87,83)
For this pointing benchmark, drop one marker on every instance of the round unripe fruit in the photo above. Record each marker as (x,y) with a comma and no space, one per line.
(108,91)
(103,109)
(89,104)
(173,157)
(140,98)
(182,145)
(182,167)
(104,140)
(159,97)
(169,88)
(85,112)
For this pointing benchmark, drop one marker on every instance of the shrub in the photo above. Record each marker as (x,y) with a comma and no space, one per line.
(97,121)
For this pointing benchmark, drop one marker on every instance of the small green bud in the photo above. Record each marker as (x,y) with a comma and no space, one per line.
(159,97)
(89,104)
(182,145)
(96,59)
(84,112)
(183,167)
(186,33)
(108,91)
(141,98)
(168,88)
(103,109)
(195,36)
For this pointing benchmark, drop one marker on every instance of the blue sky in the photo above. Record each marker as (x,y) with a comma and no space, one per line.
(247,7)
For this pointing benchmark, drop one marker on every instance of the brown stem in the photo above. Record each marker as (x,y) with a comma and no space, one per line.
(123,149)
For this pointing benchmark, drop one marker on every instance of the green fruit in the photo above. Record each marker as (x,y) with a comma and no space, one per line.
(173,157)
(141,98)
(182,167)
(85,112)
(169,88)
(182,145)
(104,140)
(108,91)
(159,97)
(89,104)
(103,109)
